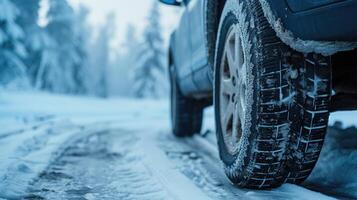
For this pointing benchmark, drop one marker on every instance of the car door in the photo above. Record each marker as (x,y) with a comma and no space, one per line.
(196,23)
(199,67)
(183,53)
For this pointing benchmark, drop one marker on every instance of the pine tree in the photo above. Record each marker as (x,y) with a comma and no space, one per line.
(12,50)
(35,40)
(100,56)
(82,37)
(61,58)
(131,41)
(120,80)
(150,71)
(29,11)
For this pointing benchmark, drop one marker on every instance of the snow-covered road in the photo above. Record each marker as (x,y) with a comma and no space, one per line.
(55,147)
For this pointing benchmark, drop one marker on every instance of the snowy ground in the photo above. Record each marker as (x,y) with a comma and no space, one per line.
(56,147)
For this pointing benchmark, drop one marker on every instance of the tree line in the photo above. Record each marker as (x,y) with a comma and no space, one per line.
(65,56)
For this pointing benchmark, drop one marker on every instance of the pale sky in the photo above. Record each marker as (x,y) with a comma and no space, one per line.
(127,12)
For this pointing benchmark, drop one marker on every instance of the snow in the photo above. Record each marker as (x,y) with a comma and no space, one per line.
(38,128)
(336,170)
(348,118)
(181,188)
(300,193)
(306,46)
(231,6)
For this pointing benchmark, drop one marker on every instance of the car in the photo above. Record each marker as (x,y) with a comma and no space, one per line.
(274,71)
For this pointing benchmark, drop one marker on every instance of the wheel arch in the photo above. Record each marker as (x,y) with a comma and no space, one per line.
(213,12)
(170,55)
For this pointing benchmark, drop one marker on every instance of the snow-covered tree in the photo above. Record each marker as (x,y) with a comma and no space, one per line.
(61,59)
(120,81)
(12,50)
(100,56)
(150,73)
(131,41)
(82,34)
(36,39)
(48,64)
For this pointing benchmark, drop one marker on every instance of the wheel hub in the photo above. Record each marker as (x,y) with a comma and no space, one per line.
(232,90)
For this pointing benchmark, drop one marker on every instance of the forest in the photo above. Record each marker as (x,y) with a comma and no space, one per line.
(63,53)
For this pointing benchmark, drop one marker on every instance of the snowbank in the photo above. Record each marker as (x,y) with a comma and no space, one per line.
(336,170)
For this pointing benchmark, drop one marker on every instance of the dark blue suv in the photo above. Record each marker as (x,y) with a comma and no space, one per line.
(274,70)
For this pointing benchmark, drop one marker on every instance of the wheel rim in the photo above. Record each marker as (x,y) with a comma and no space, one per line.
(232,90)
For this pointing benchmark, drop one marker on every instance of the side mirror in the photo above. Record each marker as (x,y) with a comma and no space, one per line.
(171,2)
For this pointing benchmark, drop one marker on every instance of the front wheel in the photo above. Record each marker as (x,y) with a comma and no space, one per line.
(261,88)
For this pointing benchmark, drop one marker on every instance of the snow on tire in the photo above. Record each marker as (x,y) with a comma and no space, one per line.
(255,121)
(311,113)
(262,146)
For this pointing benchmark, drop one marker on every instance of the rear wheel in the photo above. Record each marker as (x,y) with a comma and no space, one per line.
(186,113)
(262,100)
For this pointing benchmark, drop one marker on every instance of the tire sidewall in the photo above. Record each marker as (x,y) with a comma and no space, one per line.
(238,165)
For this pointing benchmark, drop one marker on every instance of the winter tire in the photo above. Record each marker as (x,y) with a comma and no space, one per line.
(186,113)
(310,113)
(271,103)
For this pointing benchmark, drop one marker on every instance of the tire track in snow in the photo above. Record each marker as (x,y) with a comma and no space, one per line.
(178,185)
(34,151)
(35,124)
(198,159)
(153,165)
(109,165)
(195,162)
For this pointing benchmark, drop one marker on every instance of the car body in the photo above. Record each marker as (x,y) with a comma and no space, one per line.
(274,70)
(191,43)
(327,20)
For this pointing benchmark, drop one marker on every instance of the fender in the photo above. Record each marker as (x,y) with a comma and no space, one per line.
(311,30)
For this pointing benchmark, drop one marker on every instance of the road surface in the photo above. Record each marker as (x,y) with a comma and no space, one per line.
(56,147)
